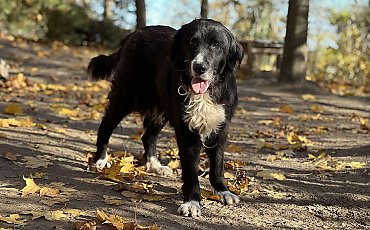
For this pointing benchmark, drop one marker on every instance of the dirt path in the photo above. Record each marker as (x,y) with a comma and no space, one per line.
(328,189)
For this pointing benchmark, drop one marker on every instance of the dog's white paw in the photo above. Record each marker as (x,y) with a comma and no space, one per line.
(191,208)
(102,163)
(228,197)
(154,166)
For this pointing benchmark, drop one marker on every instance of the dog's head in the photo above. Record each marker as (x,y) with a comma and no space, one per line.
(205,50)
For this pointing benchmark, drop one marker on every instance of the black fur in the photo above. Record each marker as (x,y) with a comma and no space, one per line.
(150,66)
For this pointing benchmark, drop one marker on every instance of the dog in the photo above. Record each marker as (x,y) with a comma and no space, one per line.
(185,77)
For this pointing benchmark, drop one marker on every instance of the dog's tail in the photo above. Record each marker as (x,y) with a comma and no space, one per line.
(101,67)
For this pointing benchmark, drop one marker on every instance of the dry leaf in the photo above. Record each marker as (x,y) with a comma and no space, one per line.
(317,109)
(232,148)
(206,194)
(114,220)
(10,156)
(30,188)
(50,192)
(234,164)
(89,225)
(286,109)
(2,135)
(308,97)
(13,109)
(228,175)
(174,164)
(13,219)
(266,175)
(19,122)
(113,200)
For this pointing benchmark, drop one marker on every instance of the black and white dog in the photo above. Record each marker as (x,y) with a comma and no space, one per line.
(184,77)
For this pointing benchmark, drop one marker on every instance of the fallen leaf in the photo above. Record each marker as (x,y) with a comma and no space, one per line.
(228,175)
(234,164)
(268,175)
(114,220)
(232,148)
(286,109)
(30,188)
(13,219)
(308,97)
(13,109)
(113,200)
(88,225)
(356,165)
(2,135)
(50,192)
(174,164)
(206,194)
(55,200)
(17,122)
(10,156)
(317,109)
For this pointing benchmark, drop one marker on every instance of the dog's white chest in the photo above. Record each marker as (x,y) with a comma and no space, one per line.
(203,115)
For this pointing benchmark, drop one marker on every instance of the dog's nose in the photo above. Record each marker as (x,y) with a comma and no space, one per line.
(200,68)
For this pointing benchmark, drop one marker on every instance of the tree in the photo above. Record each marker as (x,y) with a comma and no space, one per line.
(108,10)
(140,13)
(294,63)
(204,9)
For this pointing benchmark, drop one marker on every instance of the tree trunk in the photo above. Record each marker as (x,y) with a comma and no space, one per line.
(204,9)
(108,10)
(294,63)
(140,14)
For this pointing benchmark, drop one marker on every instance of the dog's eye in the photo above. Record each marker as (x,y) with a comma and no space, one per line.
(194,42)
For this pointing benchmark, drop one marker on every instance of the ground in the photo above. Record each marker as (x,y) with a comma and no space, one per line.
(298,157)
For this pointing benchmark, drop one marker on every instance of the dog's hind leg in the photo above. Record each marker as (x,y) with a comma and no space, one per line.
(153,124)
(115,112)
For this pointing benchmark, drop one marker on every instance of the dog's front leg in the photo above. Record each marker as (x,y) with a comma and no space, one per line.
(189,149)
(216,173)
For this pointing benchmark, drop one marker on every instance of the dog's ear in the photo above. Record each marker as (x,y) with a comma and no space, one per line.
(176,49)
(236,52)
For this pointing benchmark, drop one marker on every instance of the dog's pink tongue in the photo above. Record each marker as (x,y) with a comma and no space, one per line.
(199,85)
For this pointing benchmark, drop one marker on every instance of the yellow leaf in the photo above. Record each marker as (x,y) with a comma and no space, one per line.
(228,175)
(21,122)
(13,109)
(2,135)
(113,200)
(41,126)
(232,148)
(356,165)
(30,188)
(234,164)
(266,175)
(308,97)
(89,225)
(50,192)
(113,220)
(174,164)
(13,219)
(292,138)
(317,109)
(286,109)
(206,194)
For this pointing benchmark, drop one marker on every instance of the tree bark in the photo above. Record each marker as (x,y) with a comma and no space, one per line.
(108,10)
(140,14)
(204,9)
(294,63)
